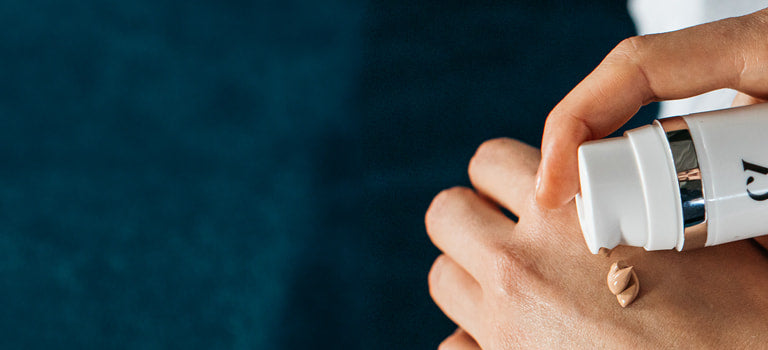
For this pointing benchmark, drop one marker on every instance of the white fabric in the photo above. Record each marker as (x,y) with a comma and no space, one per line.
(658,16)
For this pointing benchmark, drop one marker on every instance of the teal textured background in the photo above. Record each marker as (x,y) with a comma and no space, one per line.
(253,175)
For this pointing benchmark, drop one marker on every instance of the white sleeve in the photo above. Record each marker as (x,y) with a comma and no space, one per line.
(658,16)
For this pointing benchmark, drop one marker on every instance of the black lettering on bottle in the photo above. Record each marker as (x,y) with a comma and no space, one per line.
(760,170)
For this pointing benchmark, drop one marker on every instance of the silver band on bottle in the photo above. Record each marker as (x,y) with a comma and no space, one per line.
(689,180)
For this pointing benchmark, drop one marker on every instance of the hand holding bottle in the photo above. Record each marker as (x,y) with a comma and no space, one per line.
(730,53)
(529,284)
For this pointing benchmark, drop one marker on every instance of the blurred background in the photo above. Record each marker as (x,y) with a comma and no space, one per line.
(253,175)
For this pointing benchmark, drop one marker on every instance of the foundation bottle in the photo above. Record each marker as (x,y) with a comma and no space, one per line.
(683,182)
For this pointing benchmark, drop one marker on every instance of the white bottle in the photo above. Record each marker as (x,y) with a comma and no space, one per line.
(683,182)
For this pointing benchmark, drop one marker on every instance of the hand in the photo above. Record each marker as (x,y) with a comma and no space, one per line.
(533,284)
(725,54)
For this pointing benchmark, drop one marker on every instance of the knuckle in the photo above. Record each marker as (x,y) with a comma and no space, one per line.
(751,54)
(630,49)
(634,52)
(493,145)
(490,148)
(443,202)
(490,152)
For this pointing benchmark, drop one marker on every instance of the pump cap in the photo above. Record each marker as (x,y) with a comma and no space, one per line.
(610,202)
(628,192)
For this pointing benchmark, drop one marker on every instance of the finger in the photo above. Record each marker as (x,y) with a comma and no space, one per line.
(724,54)
(505,171)
(455,292)
(459,340)
(468,228)
(743,99)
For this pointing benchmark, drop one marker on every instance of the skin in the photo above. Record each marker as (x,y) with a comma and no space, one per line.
(533,284)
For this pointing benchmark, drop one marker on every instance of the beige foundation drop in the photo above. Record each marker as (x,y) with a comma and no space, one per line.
(623,283)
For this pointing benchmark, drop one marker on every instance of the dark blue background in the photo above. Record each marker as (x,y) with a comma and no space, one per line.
(228,174)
